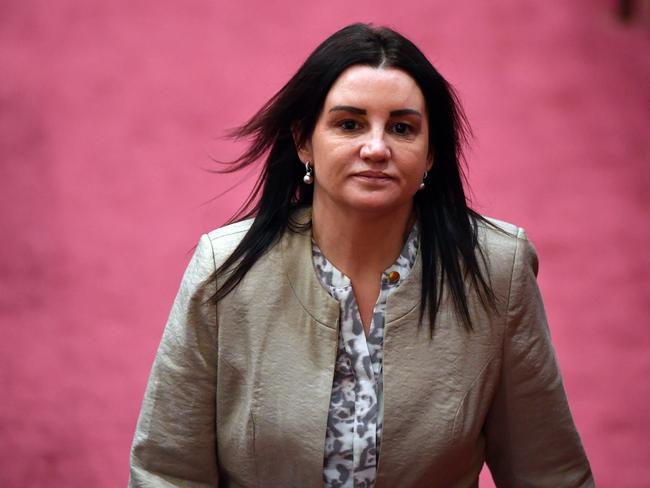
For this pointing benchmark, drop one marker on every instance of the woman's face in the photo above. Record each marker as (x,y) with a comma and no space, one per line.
(369,148)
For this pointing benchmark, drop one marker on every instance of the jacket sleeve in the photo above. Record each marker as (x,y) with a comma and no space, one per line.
(531,438)
(175,441)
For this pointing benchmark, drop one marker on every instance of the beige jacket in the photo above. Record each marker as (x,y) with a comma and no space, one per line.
(239,393)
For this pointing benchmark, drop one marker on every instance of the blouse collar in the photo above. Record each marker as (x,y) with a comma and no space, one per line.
(392,277)
(296,248)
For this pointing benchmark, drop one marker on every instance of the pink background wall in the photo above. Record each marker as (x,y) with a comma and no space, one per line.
(109,112)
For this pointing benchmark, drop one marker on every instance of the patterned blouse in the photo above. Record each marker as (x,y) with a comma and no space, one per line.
(356,415)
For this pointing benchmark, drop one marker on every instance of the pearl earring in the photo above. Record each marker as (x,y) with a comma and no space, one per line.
(422,185)
(309,174)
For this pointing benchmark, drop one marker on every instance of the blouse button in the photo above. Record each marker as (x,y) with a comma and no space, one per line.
(393,276)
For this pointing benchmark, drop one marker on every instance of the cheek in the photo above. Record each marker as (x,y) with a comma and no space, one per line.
(417,158)
(321,147)
(329,154)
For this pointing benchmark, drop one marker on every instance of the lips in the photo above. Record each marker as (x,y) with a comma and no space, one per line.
(373,175)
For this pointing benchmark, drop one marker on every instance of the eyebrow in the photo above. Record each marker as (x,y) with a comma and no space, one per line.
(361,111)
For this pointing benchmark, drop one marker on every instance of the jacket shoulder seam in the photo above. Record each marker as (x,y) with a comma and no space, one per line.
(520,236)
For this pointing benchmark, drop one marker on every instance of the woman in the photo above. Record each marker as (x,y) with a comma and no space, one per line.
(362,326)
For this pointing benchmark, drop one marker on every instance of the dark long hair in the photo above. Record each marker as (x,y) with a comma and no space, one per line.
(448,227)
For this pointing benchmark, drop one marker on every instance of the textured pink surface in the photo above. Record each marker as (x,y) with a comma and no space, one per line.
(108,115)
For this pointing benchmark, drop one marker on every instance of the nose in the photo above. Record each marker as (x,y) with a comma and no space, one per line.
(375,148)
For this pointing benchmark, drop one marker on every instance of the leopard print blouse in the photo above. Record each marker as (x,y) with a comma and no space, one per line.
(356,407)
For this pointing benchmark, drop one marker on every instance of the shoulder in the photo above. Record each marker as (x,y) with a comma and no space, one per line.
(213,249)
(224,240)
(499,236)
(230,233)
(505,247)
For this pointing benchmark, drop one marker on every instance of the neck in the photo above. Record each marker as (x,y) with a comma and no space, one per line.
(360,242)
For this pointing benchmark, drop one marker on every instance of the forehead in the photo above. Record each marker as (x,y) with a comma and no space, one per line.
(368,87)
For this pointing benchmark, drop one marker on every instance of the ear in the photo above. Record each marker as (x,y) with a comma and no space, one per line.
(429,162)
(304,151)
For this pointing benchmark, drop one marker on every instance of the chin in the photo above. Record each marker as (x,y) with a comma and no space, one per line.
(379,205)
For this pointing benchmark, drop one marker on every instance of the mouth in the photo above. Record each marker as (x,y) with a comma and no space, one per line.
(369,175)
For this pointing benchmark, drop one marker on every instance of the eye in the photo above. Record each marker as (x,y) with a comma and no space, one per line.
(349,125)
(402,129)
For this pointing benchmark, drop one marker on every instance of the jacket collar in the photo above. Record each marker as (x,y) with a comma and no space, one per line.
(307,288)
(407,297)
(300,272)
